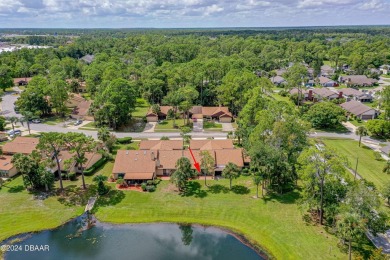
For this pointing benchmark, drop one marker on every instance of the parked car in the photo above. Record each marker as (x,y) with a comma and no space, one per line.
(36,121)
(13,133)
(78,122)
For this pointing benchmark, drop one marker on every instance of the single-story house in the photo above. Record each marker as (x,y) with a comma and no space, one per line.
(224,156)
(7,169)
(317,94)
(354,94)
(326,82)
(88,58)
(81,111)
(304,92)
(359,110)
(278,80)
(64,156)
(135,166)
(74,100)
(327,71)
(219,113)
(153,117)
(161,145)
(21,81)
(211,144)
(24,145)
(310,83)
(357,80)
(280,72)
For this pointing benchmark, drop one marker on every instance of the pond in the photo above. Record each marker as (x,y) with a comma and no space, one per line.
(136,241)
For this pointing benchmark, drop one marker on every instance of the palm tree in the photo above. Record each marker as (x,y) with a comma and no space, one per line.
(257,179)
(27,116)
(13,120)
(231,172)
(207,164)
(361,131)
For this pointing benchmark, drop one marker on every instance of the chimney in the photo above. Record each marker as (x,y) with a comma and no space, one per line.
(310,97)
(340,94)
(152,156)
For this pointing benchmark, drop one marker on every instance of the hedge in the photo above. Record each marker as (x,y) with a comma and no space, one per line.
(91,170)
(124,140)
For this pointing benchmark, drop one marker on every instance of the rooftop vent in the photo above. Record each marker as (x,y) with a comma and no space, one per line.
(127,152)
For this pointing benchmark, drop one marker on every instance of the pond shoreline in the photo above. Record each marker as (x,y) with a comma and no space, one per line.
(235,233)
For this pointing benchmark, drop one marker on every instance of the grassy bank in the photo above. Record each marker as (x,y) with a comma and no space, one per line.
(275,223)
(369,168)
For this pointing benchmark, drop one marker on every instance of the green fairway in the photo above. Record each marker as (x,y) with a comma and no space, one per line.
(369,168)
(274,223)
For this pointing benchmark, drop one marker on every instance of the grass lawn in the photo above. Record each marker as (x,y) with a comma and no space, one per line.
(280,98)
(212,126)
(356,123)
(275,223)
(20,212)
(54,120)
(167,126)
(369,168)
(337,129)
(142,107)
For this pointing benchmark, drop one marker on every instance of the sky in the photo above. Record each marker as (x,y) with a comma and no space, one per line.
(190,13)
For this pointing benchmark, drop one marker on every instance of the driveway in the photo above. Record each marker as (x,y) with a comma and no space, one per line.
(149,127)
(198,125)
(227,127)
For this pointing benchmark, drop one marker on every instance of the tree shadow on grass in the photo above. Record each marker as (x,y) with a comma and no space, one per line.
(239,189)
(218,188)
(113,197)
(74,195)
(194,189)
(286,198)
(15,189)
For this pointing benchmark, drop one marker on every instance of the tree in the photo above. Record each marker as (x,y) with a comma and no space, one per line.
(2,123)
(379,127)
(27,116)
(13,120)
(25,165)
(103,134)
(6,80)
(325,115)
(51,144)
(58,95)
(257,180)
(296,76)
(186,231)
(79,144)
(349,228)
(231,172)
(321,172)
(361,131)
(100,179)
(173,98)
(182,174)
(207,164)
(184,133)
(156,109)
(114,105)
(34,98)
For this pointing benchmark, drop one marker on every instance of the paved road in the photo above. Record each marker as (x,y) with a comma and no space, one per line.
(7,105)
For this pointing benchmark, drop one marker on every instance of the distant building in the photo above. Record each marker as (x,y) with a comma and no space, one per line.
(326,82)
(88,58)
(354,94)
(278,80)
(357,81)
(21,81)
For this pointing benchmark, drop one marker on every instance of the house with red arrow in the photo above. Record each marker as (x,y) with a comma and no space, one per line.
(158,158)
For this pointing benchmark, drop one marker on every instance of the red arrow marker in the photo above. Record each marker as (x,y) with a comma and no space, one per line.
(196,164)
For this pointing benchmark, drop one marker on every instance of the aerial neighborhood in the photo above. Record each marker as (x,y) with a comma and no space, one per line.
(281,136)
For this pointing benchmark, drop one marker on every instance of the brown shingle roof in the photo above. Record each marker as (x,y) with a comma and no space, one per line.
(358,80)
(323,92)
(20,144)
(223,157)
(168,159)
(66,155)
(355,107)
(163,111)
(161,145)
(351,92)
(211,144)
(82,108)
(5,163)
(135,162)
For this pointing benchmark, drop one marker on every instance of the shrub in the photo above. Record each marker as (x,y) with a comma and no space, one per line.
(149,182)
(245,172)
(93,168)
(143,186)
(124,140)
(150,188)
(72,176)
(164,138)
(156,181)
(377,156)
